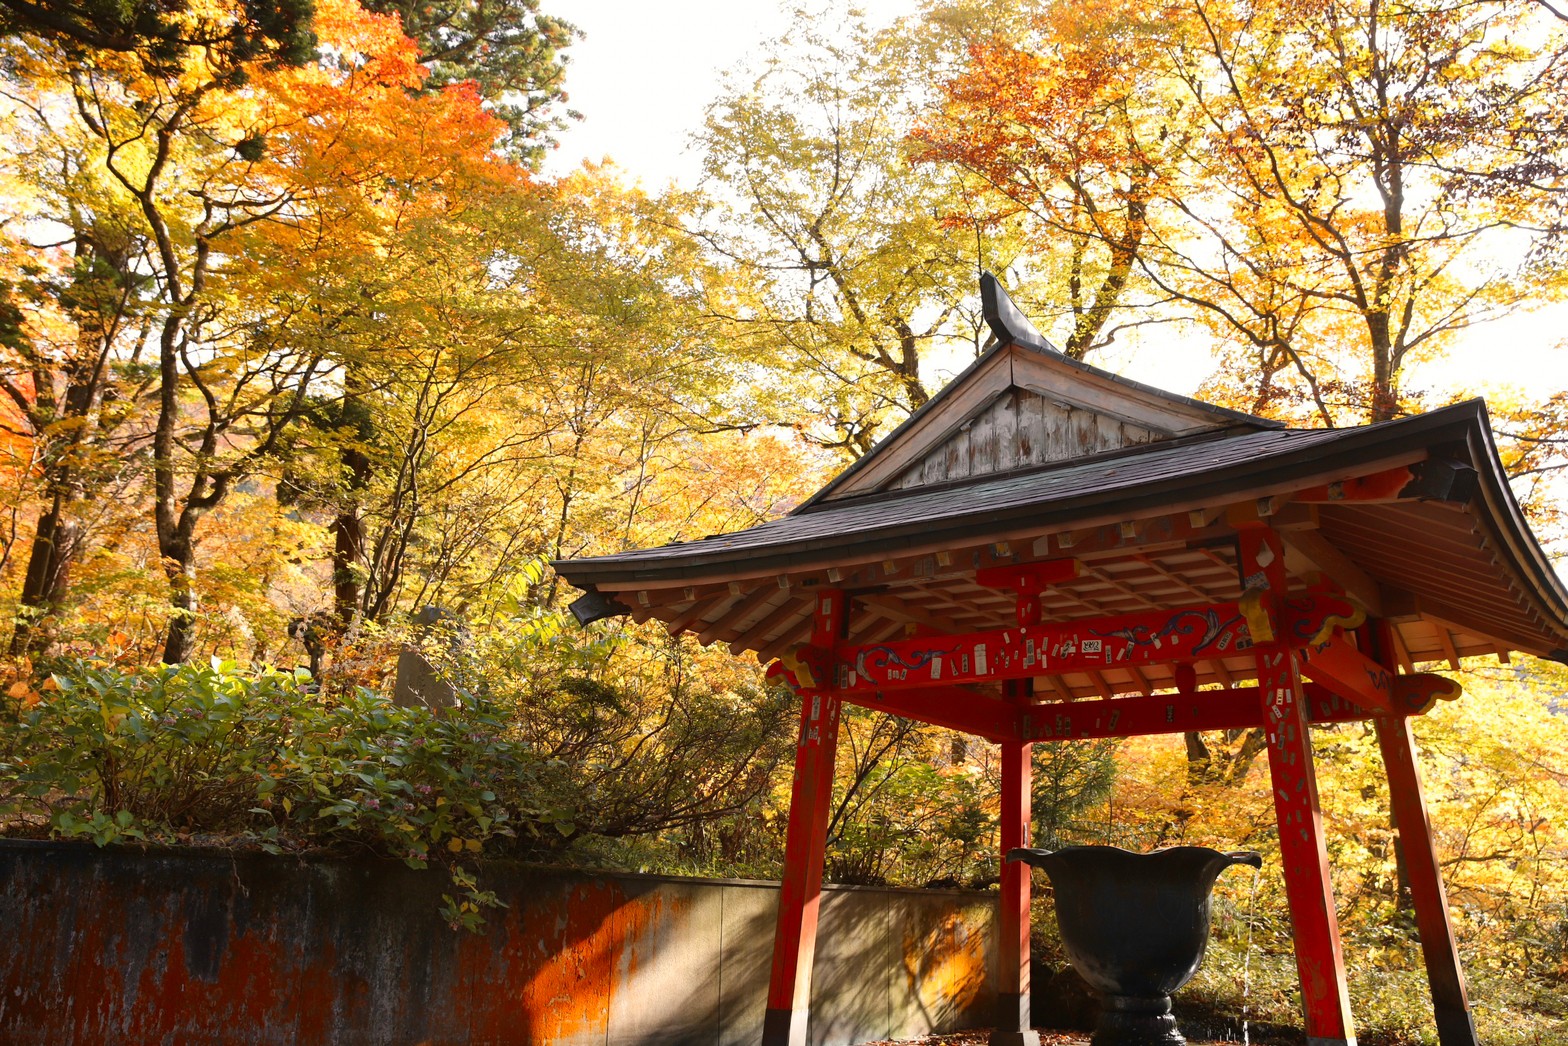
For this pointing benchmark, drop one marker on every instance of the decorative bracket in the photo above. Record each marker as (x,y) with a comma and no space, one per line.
(803,668)
(1340,667)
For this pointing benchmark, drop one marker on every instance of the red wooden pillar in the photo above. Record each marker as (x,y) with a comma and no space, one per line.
(1450,1001)
(1012,1014)
(795,935)
(1319,963)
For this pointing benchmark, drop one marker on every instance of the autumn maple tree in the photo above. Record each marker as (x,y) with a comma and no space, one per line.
(1060,118)
(1334,191)
(1391,176)
(299,349)
(857,267)
(202,165)
(511,52)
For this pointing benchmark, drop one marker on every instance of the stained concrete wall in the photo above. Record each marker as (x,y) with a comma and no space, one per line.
(130,947)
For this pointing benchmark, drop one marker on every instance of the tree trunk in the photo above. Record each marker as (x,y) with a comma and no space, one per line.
(180,566)
(348,552)
(1200,761)
(1385,397)
(348,527)
(58,537)
(48,578)
(348,539)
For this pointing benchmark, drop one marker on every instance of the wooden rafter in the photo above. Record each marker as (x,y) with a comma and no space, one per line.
(1125,589)
(736,614)
(699,607)
(1311,548)
(1446,641)
(750,638)
(864,624)
(1177,580)
(1058,686)
(1066,594)
(902,610)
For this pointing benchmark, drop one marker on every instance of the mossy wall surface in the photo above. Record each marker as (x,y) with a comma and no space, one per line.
(128,946)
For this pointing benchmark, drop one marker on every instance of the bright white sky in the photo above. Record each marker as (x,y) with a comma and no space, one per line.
(642,75)
(645,72)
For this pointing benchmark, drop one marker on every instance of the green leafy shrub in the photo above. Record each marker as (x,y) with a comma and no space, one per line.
(213,754)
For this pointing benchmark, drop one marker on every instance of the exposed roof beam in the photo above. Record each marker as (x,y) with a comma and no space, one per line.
(749,639)
(1311,549)
(900,610)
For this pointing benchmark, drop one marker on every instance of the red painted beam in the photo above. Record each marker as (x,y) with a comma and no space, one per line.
(1028,577)
(947,706)
(800,892)
(795,933)
(1340,667)
(1089,645)
(1440,949)
(1380,486)
(1237,708)
(1028,580)
(1093,644)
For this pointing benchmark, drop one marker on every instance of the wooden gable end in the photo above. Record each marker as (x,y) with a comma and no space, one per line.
(1023,404)
(1022,428)
(1021,407)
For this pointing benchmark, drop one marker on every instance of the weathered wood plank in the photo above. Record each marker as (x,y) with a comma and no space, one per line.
(1032,438)
(1005,421)
(982,446)
(1085,433)
(1021,429)
(1058,432)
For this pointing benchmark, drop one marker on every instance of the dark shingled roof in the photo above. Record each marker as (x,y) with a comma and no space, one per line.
(990,501)
(1501,567)
(1156,475)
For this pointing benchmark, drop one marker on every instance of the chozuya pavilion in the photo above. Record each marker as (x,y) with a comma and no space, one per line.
(1046,550)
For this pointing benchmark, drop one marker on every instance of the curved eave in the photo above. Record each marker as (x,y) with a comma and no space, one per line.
(1523,558)
(1012,331)
(1010,326)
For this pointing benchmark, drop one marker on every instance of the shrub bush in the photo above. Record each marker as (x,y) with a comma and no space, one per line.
(216,755)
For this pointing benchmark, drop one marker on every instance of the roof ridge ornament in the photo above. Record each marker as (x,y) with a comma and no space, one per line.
(1006,320)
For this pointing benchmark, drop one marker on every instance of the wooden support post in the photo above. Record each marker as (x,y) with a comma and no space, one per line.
(1012,1003)
(1450,1001)
(800,894)
(1319,963)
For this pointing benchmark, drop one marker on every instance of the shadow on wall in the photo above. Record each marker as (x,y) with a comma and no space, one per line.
(132,946)
(666,961)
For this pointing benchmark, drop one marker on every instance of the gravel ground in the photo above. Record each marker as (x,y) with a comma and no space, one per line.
(980,1036)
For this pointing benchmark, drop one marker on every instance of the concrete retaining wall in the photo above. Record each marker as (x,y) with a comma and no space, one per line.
(195,947)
